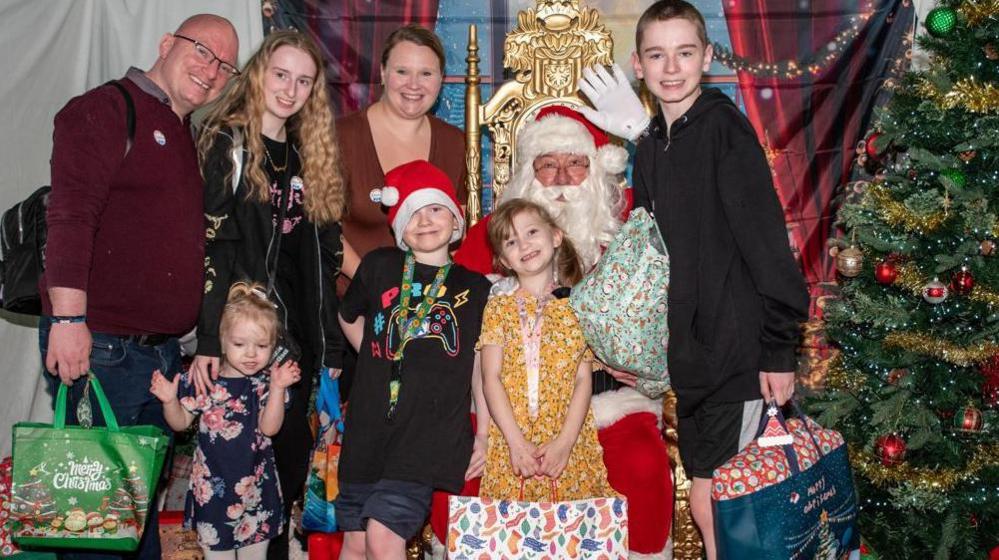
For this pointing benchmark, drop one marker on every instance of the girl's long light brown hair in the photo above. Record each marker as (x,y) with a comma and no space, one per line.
(568,267)
(242,105)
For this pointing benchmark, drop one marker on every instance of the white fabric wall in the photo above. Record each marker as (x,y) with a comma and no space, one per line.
(55,50)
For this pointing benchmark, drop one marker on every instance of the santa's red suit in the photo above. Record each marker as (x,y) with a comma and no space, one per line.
(628,423)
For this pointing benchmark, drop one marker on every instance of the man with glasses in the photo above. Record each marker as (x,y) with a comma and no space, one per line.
(125,256)
(569,167)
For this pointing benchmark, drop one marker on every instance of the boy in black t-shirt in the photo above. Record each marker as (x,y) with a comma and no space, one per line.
(414,318)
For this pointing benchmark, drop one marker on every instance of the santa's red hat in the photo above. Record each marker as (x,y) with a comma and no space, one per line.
(561,129)
(412,186)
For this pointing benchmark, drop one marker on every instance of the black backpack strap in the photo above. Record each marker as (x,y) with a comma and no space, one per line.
(129,113)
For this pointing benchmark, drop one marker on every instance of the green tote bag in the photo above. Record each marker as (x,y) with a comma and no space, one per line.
(84,488)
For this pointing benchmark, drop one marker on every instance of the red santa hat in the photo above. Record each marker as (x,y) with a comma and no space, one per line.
(561,129)
(412,186)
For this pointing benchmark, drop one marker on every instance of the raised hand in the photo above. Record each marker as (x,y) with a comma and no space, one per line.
(285,375)
(165,391)
(618,109)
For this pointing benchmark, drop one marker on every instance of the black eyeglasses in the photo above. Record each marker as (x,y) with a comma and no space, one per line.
(209,57)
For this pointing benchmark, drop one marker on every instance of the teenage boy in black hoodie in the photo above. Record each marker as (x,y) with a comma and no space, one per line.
(737,297)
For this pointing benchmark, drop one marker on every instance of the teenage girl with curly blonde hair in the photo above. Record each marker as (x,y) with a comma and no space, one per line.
(274,198)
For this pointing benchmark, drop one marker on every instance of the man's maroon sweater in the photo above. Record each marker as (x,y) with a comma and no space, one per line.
(129,232)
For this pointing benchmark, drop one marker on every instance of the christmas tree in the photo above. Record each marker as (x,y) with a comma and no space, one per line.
(913,388)
(828,547)
(32,502)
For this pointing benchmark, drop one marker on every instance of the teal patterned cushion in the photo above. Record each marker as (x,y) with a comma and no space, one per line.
(621,304)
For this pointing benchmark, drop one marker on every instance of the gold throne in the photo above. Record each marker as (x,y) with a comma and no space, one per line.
(546,53)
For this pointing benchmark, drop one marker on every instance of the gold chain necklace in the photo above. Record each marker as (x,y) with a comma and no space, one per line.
(270,160)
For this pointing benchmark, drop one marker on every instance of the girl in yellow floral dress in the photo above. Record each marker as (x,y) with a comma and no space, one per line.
(536,368)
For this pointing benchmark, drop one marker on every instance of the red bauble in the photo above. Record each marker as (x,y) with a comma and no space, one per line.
(970,420)
(872,151)
(962,282)
(896,375)
(885,272)
(891,449)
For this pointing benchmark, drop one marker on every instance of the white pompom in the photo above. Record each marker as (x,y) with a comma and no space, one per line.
(390,196)
(614,159)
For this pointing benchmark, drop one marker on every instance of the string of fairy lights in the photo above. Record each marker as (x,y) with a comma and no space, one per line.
(814,64)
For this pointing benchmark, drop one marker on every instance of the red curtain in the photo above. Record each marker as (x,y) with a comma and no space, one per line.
(352,33)
(812,123)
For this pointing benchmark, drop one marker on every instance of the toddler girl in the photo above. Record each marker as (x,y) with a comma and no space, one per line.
(234,501)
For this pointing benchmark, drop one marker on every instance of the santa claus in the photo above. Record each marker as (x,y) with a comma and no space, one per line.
(567,165)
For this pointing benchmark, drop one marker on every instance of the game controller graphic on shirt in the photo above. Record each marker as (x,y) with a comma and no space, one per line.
(440,323)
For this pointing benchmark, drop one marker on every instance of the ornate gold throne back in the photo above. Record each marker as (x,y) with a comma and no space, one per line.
(546,53)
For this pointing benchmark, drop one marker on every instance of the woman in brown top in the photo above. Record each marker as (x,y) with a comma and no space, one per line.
(394,130)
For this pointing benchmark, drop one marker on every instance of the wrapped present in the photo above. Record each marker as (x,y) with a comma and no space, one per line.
(621,304)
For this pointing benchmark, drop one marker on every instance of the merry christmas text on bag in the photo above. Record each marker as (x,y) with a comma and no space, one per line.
(85,488)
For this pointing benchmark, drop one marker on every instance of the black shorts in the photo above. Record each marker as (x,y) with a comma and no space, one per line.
(401,506)
(714,433)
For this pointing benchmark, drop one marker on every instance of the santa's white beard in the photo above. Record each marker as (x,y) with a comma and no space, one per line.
(586,216)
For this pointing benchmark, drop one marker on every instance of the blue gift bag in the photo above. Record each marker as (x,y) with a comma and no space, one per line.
(789,495)
(321,486)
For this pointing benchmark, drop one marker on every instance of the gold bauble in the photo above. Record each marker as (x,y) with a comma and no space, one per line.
(850,261)
(987,247)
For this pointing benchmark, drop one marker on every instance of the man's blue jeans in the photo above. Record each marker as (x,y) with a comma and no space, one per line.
(125,370)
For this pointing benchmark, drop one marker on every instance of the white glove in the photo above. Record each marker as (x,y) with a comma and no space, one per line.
(619,110)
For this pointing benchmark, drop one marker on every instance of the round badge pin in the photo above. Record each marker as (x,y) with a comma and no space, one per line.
(159,137)
(296,183)
(375,195)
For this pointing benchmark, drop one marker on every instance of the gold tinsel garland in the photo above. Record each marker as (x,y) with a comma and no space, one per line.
(845,380)
(896,214)
(975,11)
(967,94)
(928,345)
(910,278)
(942,480)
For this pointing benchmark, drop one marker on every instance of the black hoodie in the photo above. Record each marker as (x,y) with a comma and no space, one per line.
(737,298)
(241,236)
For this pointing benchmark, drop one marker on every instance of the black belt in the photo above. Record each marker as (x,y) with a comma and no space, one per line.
(146,339)
(603,382)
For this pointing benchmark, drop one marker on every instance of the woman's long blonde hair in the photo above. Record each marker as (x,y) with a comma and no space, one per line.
(242,105)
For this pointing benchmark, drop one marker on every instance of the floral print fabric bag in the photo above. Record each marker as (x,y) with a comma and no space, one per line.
(621,304)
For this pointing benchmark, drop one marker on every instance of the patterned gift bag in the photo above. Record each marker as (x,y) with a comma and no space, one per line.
(90,488)
(788,495)
(621,304)
(482,528)
(321,486)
